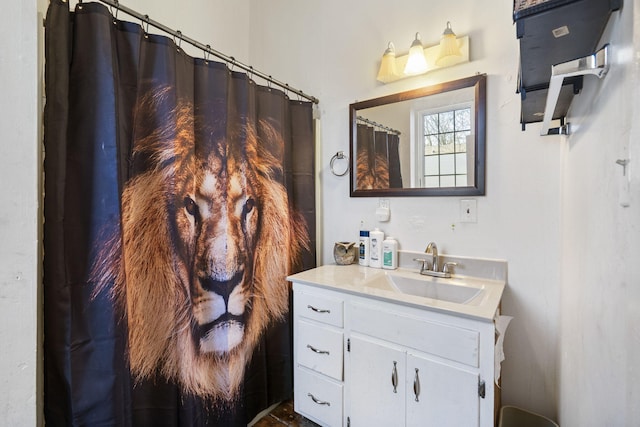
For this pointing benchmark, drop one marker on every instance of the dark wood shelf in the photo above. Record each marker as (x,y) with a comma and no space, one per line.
(578,26)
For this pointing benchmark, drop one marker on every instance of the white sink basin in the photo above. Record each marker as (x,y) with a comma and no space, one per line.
(426,287)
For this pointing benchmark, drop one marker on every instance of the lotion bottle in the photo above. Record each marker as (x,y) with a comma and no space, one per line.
(363,248)
(376,237)
(390,253)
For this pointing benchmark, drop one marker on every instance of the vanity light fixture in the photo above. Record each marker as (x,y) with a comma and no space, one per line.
(416,63)
(452,50)
(388,71)
(449,49)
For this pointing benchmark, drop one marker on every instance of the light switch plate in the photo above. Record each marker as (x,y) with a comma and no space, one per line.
(468,210)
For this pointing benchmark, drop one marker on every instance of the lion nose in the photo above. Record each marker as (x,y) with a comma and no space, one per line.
(221,287)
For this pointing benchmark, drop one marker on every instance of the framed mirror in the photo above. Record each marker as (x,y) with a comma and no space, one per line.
(424,142)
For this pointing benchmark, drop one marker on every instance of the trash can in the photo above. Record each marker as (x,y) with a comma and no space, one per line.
(512,416)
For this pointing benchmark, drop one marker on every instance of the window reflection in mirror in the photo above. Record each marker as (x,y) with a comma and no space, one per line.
(429,141)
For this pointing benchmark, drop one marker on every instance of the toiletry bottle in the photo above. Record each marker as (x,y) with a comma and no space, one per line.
(390,253)
(363,249)
(376,238)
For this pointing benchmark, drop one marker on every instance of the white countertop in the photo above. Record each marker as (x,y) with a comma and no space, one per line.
(361,280)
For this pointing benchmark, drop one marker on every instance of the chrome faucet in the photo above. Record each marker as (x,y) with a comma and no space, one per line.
(433,249)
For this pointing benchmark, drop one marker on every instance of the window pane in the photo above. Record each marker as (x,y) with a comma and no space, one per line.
(430,124)
(446,143)
(446,122)
(461,141)
(431,181)
(431,165)
(446,164)
(448,181)
(463,119)
(446,137)
(431,144)
(461,163)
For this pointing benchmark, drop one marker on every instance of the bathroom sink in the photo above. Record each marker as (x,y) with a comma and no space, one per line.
(426,287)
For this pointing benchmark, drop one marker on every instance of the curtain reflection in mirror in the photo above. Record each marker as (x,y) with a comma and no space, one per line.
(378,160)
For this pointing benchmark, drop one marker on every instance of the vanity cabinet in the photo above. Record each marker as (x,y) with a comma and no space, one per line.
(403,365)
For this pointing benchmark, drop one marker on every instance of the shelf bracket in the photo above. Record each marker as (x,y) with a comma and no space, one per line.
(596,64)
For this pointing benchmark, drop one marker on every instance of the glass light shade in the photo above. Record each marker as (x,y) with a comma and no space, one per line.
(449,49)
(387,71)
(416,63)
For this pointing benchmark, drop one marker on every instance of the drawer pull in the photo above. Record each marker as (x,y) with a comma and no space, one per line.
(318,310)
(394,377)
(319,402)
(315,350)
(416,385)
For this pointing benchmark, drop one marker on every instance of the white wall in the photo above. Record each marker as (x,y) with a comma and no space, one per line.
(599,361)
(19,243)
(332,49)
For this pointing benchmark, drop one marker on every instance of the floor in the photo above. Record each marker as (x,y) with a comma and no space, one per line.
(283,415)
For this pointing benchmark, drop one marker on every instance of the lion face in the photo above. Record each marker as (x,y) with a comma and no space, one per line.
(217,221)
(208,238)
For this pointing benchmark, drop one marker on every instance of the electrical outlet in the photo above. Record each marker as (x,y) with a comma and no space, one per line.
(468,210)
(383,203)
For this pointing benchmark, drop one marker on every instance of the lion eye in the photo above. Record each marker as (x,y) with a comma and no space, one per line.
(190,206)
(249,205)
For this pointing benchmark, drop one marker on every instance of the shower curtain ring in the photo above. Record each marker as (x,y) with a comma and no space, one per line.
(115,15)
(207,52)
(339,155)
(179,43)
(145,30)
(251,73)
(269,83)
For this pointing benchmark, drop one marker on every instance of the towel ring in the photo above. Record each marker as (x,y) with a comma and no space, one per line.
(339,155)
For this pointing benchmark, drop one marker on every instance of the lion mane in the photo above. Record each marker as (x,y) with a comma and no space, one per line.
(207,237)
(371,177)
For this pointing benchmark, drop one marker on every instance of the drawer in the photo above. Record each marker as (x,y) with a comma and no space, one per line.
(317,307)
(320,348)
(318,398)
(446,341)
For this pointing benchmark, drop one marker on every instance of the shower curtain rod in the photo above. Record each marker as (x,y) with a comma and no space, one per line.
(206,48)
(378,125)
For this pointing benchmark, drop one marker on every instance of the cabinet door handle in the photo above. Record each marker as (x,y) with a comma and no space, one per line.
(315,350)
(416,385)
(318,401)
(394,377)
(318,310)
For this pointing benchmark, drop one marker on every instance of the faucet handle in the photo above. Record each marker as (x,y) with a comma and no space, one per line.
(446,268)
(424,264)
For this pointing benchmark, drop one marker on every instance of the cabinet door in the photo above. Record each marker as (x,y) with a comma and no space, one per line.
(375,381)
(439,394)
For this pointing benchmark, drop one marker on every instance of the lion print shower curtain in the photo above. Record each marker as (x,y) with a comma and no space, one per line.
(179,195)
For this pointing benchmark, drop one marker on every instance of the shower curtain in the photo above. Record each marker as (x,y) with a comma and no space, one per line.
(179,195)
(378,160)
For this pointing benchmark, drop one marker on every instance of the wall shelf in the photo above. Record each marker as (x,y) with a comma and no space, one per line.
(553,32)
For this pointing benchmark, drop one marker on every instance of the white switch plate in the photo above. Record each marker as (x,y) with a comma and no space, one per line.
(468,210)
